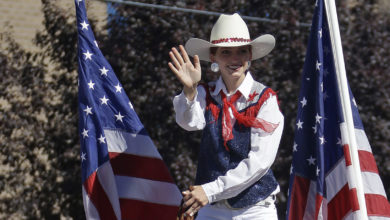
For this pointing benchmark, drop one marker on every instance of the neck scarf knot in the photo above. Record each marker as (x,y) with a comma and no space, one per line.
(241,118)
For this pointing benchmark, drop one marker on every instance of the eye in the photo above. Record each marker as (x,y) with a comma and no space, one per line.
(225,52)
(244,51)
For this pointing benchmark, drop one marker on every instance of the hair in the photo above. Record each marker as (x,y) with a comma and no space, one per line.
(213,50)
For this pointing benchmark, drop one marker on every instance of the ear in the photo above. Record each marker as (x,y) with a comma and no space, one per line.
(212,57)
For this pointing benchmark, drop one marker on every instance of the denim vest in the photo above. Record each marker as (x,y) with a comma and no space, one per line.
(214,160)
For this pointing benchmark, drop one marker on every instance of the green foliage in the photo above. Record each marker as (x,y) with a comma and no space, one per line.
(39,146)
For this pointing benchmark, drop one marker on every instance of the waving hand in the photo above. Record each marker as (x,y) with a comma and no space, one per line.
(189,74)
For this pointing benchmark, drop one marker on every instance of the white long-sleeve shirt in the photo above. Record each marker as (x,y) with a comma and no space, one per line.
(264,146)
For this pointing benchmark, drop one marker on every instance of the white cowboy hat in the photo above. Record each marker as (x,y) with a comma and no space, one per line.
(230,31)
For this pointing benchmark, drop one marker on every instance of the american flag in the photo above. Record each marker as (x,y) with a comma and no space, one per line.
(319,186)
(123,175)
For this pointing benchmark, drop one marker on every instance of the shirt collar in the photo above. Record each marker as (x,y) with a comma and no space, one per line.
(244,88)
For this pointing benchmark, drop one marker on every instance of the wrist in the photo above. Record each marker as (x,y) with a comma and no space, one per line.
(190,92)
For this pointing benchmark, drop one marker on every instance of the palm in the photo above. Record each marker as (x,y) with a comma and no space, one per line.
(189,74)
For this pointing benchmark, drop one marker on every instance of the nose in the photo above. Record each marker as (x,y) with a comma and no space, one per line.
(237,56)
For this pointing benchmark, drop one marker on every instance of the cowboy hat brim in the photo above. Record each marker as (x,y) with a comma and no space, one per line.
(261,46)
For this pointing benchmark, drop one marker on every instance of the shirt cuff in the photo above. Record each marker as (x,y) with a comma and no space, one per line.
(211,189)
(183,99)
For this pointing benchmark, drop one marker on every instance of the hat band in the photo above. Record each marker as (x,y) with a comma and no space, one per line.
(230,40)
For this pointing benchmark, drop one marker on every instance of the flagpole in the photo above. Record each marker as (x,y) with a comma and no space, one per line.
(346,104)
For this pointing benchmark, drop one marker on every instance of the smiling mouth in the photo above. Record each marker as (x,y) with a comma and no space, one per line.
(235,67)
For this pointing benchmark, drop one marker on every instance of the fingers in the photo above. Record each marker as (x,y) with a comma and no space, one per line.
(174,60)
(174,70)
(193,200)
(197,62)
(178,56)
(184,52)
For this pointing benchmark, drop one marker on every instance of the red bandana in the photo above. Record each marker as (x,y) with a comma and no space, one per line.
(242,118)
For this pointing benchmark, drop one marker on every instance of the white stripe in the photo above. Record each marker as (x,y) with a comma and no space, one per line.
(354,216)
(107,180)
(89,208)
(137,144)
(310,209)
(362,140)
(378,218)
(336,179)
(324,209)
(351,216)
(372,184)
(148,190)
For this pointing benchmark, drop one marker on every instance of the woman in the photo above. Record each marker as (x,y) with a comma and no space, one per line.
(241,123)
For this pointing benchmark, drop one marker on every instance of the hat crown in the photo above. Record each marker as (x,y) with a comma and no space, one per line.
(229,26)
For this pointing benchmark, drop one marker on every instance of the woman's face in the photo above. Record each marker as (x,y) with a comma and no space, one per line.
(232,61)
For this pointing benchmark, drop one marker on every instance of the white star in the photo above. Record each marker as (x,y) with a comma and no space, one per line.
(326,72)
(339,141)
(88,110)
(85,133)
(318,64)
(88,55)
(325,96)
(102,139)
(119,117)
(78,2)
(104,100)
(96,44)
(299,124)
(326,50)
(314,129)
(131,106)
(307,79)
(318,119)
(85,25)
(295,147)
(322,139)
(83,156)
(311,160)
(91,84)
(103,71)
(118,88)
(320,33)
(318,171)
(304,101)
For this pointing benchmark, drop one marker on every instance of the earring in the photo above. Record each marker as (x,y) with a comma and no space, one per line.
(249,65)
(214,67)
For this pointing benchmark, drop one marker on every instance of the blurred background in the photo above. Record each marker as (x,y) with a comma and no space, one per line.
(39,142)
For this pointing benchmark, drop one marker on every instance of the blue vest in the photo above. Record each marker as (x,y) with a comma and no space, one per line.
(214,160)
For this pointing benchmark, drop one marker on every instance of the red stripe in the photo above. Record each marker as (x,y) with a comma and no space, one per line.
(319,199)
(377,205)
(347,155)
(299,195)
(367,162)
(135,209)
(140,167)
(98,197)
(342,203)
(354,199)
